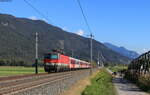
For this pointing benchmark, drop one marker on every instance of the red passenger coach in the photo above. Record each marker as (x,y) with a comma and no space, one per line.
(54,62)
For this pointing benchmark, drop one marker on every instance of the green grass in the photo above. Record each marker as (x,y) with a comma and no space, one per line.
(117,68)
(17,70)
(100,85)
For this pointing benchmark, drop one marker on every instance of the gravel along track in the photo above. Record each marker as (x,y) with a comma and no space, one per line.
(20,76)
(22,83)
(16,81)
(18,85)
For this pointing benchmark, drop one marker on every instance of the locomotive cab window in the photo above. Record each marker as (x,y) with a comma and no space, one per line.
(54,56)
(47,56)
(51,56)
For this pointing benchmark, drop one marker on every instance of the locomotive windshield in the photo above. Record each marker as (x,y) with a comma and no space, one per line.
(54,56)
(51,56)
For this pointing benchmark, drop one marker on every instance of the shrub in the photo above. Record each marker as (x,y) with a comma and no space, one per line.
(144,82)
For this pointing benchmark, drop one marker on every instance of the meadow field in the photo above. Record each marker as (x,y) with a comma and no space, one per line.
(18,70)
(117,68)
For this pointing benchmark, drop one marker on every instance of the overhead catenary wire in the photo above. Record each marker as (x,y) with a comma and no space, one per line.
(40,13)
(18,33)
(91,34)
(37,10)
(84,16)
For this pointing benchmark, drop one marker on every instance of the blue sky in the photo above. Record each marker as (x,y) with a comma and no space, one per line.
(120,22)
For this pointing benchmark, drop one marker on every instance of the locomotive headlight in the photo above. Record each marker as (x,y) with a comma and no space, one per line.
(47,63)
(50,63)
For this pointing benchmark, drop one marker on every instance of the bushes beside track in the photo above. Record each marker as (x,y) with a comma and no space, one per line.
(100,85)
(142,81)
(18,62)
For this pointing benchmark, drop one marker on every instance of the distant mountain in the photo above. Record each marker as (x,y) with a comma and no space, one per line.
(122,51)
(17,41)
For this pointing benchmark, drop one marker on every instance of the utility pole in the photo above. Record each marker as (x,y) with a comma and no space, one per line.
(98,63)
(36,53)
(103,59)
(91,52)
(72,53)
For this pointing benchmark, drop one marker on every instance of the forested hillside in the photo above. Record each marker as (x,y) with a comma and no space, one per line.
(17,42)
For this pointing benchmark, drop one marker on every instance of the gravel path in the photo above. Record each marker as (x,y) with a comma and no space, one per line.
(125,87)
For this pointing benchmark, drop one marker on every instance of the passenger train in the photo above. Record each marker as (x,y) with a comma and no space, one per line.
(56,62)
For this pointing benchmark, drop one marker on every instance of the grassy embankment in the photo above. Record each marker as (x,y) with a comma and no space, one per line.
(16,70)
(101,84)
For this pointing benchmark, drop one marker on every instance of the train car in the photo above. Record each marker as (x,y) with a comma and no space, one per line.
(73,63)
(55,62)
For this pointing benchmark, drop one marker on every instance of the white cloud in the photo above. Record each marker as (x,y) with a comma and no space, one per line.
(44,20)
(64,28)
(33,18)
(144,50)
(80,32)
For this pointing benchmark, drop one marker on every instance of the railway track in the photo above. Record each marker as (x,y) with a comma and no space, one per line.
(19,76)
(15,85)
(18,84)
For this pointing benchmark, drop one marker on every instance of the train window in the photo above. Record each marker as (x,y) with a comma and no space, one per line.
(72,61)
(54,56)
(47,56)
(77,62)
(51,56)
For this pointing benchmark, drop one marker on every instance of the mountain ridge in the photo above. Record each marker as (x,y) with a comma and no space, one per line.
(122,50)
(18,41)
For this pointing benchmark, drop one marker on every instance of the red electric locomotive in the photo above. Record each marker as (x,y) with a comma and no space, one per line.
(54,62)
